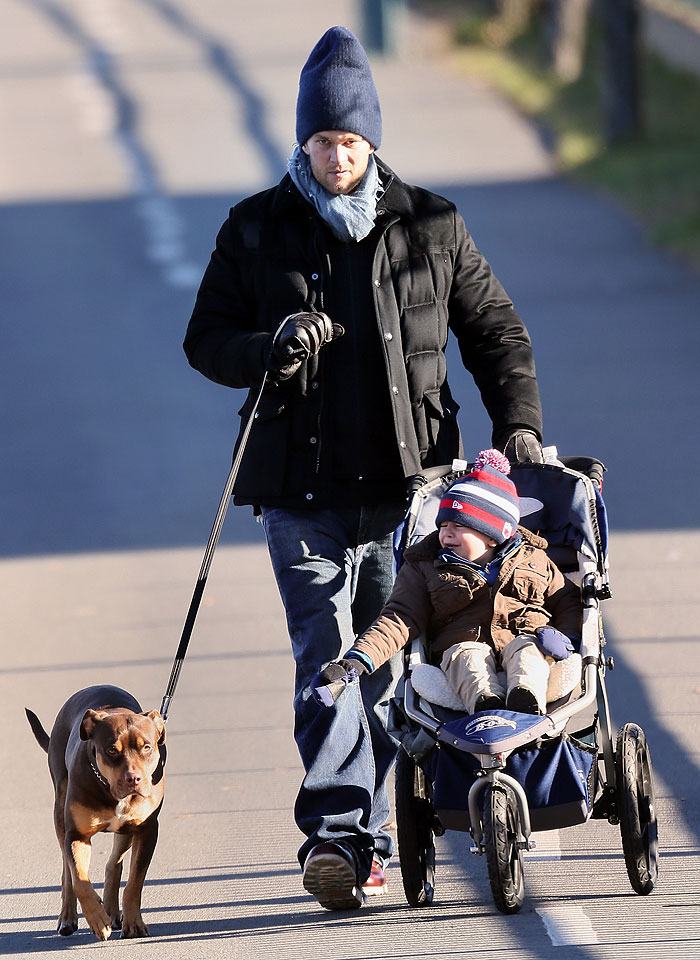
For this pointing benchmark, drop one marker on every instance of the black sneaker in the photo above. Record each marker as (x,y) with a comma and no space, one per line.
(488,701)
(330,875)
(522,700)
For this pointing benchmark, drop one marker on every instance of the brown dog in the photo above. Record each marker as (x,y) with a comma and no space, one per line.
(106,762)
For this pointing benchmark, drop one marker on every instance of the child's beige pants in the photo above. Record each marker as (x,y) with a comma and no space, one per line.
(472,670)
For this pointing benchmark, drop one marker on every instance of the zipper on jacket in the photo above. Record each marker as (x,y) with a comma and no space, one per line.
(389,221)
(321,356)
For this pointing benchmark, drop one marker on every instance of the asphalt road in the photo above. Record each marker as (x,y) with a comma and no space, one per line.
(127,129)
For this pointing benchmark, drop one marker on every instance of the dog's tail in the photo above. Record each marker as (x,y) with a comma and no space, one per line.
(42,737)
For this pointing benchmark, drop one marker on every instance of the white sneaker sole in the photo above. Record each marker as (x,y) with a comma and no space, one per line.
(376,891)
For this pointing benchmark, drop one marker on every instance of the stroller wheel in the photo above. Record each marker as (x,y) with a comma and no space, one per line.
(635,796)
(414,819)
(504,856)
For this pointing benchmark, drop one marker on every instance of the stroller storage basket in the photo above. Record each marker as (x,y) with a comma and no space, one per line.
(558,777)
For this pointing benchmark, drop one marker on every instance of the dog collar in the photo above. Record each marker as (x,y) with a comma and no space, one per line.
(99,775)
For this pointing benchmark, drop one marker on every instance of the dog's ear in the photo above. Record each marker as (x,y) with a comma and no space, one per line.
(162,749)
(159,724)
(87,724)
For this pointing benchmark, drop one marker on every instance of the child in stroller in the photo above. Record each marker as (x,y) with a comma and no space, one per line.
(485,595)
(501,774)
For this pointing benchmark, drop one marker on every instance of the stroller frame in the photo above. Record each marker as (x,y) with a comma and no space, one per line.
(499,816)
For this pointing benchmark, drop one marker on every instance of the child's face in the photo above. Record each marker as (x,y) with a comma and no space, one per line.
(466,542)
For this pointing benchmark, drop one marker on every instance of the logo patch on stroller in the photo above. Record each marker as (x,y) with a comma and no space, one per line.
(488,723)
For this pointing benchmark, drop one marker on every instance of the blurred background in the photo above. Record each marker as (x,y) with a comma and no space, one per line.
(129,127)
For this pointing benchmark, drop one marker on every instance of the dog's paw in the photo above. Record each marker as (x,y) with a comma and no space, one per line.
(98,921)
(101,931)
(134,928)
(66,927)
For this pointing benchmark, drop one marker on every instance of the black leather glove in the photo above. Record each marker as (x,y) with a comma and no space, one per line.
(301,337)
(327,685)
(521,446)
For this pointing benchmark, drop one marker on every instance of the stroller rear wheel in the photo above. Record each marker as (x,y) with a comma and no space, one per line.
(635,795)
(414,819)
(504,857)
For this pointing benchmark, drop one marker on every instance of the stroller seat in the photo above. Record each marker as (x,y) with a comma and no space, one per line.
(500,774)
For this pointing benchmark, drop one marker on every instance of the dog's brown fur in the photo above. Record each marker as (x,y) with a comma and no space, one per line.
(105,758)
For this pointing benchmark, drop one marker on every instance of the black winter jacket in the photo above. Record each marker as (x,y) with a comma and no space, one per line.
(427,276)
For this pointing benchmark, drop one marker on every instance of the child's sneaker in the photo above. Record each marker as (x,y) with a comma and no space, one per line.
(330,875)
(375,884)
(488,702)
(522,700)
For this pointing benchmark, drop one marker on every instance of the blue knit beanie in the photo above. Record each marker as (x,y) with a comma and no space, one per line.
(336,90)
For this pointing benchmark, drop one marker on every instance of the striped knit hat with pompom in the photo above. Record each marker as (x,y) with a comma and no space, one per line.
(484,500)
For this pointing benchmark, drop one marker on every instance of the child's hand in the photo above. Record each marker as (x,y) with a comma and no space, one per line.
(553,643)
(328,685)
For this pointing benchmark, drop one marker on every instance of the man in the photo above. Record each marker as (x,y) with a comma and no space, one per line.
(342,282)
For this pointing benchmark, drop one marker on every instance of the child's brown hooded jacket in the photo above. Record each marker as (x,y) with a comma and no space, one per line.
(449,603)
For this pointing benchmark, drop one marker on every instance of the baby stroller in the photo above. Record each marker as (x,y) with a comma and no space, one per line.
(499,774)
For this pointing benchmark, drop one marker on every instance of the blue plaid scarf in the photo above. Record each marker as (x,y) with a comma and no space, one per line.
(350,216)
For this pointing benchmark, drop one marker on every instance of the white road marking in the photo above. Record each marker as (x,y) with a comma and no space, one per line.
(106,22)
(165,229)
(97,115)
(567,925)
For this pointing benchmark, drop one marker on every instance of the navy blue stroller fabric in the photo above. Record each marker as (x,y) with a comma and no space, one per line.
(568,512)
(555,777)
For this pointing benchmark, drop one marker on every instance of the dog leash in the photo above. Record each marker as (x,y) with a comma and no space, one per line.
(216,532)
(207,560)
(211,545)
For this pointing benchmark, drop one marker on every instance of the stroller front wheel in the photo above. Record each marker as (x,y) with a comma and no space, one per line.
(414,831)
(635,800)
(504,855)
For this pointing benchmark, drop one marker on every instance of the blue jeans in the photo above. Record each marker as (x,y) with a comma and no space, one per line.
(334,572)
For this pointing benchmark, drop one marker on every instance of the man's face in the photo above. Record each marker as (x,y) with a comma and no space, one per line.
(338,159)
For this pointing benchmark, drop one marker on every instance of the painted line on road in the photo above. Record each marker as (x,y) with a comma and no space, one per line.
(567,925)
(96,112)
(106,108)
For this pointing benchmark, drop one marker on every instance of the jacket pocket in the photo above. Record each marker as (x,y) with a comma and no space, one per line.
(427,417)
(530,586)
(263,468)
(437,429)
(271,405)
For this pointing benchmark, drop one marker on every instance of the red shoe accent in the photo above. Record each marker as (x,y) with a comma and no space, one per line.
(375,884)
